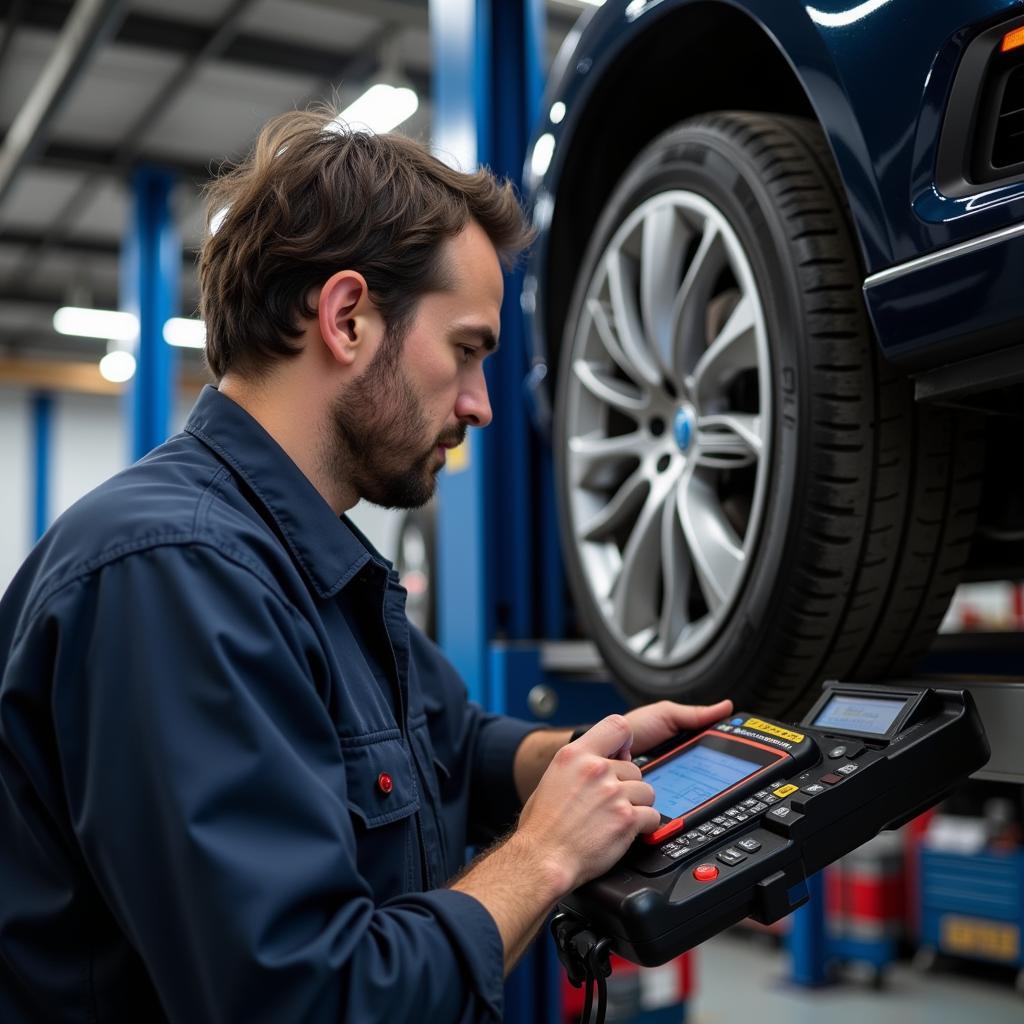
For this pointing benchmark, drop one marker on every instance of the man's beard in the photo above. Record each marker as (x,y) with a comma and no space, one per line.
(378,430)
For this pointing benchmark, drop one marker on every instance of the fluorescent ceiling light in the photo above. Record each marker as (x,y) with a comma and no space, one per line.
(184,332)
(557,112)
(118,366)
(381,108)
(96,323)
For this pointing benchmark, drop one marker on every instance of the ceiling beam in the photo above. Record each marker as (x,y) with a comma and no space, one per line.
(187,38)
(80,245)
(79,376)
(86,28)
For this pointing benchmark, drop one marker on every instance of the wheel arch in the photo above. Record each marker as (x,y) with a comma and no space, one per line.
(695,58)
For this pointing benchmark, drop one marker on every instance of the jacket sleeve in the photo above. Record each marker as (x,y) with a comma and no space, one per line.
(207,791)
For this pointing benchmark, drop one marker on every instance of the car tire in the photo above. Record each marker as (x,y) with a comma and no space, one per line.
(836,513)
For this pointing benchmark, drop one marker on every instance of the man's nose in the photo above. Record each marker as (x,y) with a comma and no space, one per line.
(473,405)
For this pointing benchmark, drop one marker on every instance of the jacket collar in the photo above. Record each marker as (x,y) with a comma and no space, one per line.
(329,550)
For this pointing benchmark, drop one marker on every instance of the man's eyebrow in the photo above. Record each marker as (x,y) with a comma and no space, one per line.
(470,332)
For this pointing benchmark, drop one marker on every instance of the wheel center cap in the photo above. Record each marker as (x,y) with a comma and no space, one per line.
(684,427)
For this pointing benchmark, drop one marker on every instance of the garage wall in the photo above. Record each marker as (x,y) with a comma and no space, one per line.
(88,444)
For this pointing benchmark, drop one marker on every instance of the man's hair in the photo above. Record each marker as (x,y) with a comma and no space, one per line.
(314,197)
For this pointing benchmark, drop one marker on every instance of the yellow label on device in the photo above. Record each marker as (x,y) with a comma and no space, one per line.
(784,791)
(773,730)
(991,940)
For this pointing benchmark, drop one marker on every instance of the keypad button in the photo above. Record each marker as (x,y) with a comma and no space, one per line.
(719,819)
(837,752)
(705,872)
(831,779)
(705,828)
(847,769)
(680,851)
(701,840)
(749,844)
(769,800)
(732,812)
(729,823)
(752,801)
(731,856)
(742,817)
(691,836)
(760,806)
(813,788)
(717,831)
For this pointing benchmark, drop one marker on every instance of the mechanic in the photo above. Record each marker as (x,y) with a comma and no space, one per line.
(236,784)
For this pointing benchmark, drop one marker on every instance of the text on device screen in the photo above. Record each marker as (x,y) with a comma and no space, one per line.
(694,777)
(860,714)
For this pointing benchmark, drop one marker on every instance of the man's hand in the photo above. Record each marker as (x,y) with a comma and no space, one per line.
(656,723)
(588,807)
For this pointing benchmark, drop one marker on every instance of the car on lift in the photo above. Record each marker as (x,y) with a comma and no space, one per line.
(777,316)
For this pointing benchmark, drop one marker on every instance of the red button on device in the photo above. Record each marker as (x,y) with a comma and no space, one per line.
(384,783)
(705,872)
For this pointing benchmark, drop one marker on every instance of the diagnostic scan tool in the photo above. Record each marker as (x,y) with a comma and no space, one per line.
(752,806)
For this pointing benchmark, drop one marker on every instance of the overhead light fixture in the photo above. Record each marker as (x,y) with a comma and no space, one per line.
(117,366)
(184,332)
(557,112)
(380,109)
(96,323)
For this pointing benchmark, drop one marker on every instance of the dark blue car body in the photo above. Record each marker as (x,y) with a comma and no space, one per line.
(889,81)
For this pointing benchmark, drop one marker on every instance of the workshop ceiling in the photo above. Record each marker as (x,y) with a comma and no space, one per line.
(185,85)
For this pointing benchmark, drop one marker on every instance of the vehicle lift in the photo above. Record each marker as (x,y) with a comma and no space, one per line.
(499,573)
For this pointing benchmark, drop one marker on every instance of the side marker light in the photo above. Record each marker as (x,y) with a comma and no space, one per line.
(1012,40)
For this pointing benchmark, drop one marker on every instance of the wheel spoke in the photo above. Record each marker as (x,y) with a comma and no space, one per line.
(618,509)
(665,239)
(616,393)
(729,440)
(689,327)
(591,453)
(677,571)
(716,550)
(599,315)
(622,287)
(634,596)
(734,350)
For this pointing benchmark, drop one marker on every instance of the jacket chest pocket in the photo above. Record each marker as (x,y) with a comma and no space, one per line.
(383,800)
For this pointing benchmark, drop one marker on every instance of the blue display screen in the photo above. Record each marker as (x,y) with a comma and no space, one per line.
(694,777)
(873,715)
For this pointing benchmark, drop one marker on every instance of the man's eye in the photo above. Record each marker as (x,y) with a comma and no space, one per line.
(467,351)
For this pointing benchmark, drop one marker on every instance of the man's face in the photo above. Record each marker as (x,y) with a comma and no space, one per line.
(393,423)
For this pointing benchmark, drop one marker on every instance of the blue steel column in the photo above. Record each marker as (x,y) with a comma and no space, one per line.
(487,85)
(150,273)
(42,415)
(807,940)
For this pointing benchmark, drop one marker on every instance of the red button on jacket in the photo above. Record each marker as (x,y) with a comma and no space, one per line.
(384,783)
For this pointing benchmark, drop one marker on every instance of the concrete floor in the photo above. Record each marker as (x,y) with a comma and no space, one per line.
(742,980)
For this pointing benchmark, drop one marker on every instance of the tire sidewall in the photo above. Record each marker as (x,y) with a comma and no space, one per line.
(706,162)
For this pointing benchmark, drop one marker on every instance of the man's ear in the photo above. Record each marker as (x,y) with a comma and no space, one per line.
(350,323)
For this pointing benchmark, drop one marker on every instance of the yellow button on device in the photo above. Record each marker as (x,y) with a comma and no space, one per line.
(785,790)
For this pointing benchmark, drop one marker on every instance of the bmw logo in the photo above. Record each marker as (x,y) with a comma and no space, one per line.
(682,427)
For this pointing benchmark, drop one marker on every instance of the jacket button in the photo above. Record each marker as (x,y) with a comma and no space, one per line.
(384,783)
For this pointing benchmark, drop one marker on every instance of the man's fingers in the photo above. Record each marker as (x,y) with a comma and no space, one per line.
(627,771)
(608,737)
(640,794)
(696,716)
(648,819)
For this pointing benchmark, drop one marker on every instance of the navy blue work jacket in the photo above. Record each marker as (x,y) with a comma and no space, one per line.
(233,780)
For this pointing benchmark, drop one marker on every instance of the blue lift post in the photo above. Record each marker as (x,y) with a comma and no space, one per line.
(42,418)
(487,87)
(150,274)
